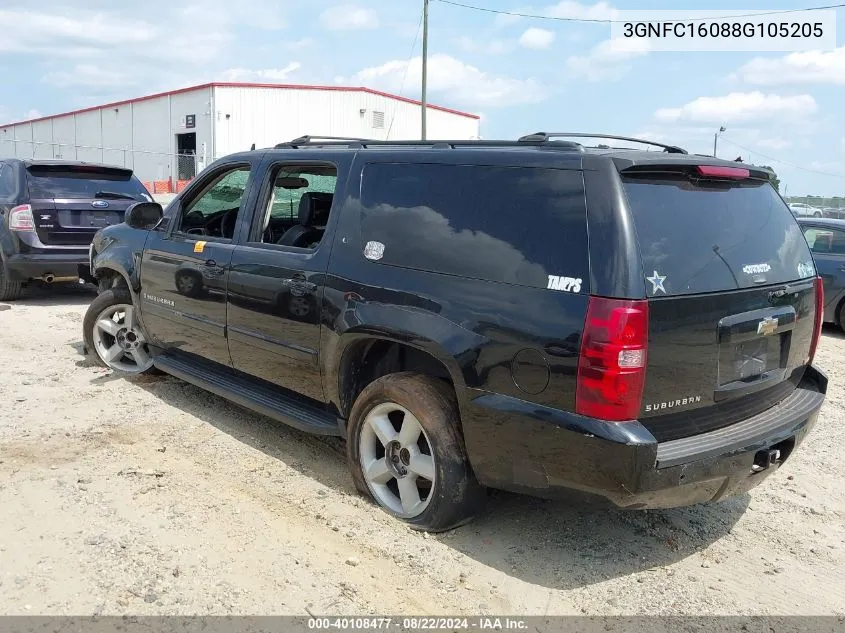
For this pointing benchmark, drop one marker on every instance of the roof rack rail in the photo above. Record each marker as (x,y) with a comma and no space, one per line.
(312,140)
(336,141)
(547,136)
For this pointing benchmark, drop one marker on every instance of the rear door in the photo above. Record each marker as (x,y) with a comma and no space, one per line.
(730,282)
(71,202)
(276,285)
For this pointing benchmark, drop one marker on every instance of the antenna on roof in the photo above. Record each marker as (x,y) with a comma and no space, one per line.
(252,148)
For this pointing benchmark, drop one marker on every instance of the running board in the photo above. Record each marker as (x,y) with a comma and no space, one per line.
(264,400)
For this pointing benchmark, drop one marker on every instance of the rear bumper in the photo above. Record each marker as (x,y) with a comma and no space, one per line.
(23,267)
(514,445)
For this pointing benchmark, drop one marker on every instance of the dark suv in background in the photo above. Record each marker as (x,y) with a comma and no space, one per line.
(50,210)
(637,327)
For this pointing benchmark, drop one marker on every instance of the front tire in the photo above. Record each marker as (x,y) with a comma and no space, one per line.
(111,333)
(405,451)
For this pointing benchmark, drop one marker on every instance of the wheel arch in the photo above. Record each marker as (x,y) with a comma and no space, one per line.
(365,357)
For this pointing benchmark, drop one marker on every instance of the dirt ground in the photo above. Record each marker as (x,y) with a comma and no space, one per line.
(154,497)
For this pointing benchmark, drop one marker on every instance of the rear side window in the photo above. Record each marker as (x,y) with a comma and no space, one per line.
(704,236)
(824,241)
(7,182)
(50,182)
(514,225)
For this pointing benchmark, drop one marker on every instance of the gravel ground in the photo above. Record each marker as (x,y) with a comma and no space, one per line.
(151,496)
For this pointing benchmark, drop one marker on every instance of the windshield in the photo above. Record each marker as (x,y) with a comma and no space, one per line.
(68,184)
(707,236)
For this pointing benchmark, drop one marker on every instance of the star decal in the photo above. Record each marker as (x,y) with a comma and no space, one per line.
(657,283)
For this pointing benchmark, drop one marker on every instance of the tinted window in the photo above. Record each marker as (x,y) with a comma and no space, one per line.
(215,210)
(826,240)
(63,183)
(506,224)
(285,202)
(7,182)
(705,237)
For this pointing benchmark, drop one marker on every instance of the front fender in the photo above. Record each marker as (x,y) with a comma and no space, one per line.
(118,249)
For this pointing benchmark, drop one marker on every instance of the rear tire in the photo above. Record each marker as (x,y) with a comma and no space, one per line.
(405,451)
(840,316)
(9,290)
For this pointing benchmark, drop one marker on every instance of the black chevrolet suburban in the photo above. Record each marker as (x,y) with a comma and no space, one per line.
(49,212)
(632,327)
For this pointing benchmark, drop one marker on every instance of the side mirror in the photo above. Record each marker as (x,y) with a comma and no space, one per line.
(143,215)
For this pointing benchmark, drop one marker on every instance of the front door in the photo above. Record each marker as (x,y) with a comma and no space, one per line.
(185,267)
(277,277)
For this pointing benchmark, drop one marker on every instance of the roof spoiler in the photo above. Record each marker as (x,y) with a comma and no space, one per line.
(81,168)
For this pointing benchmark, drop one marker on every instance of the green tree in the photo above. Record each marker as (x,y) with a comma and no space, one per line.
(774,179)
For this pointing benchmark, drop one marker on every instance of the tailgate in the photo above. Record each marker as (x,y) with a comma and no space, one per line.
(74,222)
(729,278)
(71,202)
(716,359)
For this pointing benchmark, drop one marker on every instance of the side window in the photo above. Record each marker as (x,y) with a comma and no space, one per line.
(7,184)
(515,225)
(296,206)
(831,241)
(214,211)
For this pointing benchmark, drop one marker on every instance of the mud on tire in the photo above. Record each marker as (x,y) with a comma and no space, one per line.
(454,496)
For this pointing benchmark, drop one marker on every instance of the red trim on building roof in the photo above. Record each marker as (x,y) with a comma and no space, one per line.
(225,84)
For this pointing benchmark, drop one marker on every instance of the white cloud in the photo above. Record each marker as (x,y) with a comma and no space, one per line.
(570,9)
(537,38)
(44,33)
(260,75)
(834,167)
(89,75)
(299,44)
(608,60)
(774,143)
(457,81)
(738,107)
(822,67)
(349,17)
(564,9)
(485,47)
(32,114)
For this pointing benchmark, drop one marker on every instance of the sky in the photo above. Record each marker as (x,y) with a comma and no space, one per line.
(520,75)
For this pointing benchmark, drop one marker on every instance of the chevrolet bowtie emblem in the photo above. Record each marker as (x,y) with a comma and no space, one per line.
(767,326)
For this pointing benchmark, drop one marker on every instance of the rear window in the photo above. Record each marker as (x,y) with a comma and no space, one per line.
(504,224)
(705,236)
(64,183)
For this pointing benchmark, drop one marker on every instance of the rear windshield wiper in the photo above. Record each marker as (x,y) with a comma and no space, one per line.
(114,194)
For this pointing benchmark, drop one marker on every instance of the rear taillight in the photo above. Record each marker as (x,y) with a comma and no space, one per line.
(817,324)
(20,218)
(611,369)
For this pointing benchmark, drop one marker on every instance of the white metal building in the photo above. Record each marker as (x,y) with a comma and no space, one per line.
(170,136)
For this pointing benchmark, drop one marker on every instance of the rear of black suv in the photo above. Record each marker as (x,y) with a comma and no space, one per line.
(51,213)
(694,376)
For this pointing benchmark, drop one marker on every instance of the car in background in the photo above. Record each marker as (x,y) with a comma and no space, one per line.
(833,212)
(49,212)
(799,209)
(826,239)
